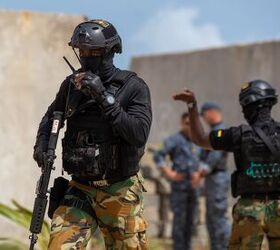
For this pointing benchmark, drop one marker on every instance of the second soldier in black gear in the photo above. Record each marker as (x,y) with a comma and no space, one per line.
(256,148)
(108,117)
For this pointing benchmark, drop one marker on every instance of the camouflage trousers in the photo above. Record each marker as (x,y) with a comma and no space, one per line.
(119,215)
(252,220)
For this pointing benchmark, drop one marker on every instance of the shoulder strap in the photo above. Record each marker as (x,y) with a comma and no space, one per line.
(122,76)
(120,79)
(67,99)
(267,141)
(74,101)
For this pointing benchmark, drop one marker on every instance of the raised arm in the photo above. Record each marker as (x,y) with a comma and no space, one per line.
(132,124)
(198,135)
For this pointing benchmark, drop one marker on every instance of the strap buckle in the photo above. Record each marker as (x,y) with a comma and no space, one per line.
(77,203)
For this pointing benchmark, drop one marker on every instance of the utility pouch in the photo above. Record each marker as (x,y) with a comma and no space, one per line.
(56,195)
(245,185)
(78,159)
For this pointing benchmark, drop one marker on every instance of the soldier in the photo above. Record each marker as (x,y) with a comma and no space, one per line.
(183,197)
(216,184)
(108,114)
(256,151)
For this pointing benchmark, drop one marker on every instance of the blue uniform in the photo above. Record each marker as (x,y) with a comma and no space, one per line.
(184,198)
(216,191)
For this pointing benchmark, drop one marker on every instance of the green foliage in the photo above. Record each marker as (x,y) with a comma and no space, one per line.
(11,244)
(22,217)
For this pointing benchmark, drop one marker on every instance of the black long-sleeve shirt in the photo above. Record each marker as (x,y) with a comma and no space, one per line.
(130,116)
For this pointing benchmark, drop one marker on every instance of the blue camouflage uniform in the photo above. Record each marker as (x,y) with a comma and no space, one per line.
(216,191)
(184,198)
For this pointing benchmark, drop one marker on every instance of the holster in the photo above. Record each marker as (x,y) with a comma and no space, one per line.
(56,195)
(245,185)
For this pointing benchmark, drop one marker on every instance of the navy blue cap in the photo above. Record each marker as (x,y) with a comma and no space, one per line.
(210,105)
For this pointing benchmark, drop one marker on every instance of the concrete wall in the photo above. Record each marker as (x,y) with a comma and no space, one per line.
(214,74)
(31,70)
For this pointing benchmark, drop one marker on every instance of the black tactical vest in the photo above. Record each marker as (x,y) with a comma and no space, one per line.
(258,169)
(91,149)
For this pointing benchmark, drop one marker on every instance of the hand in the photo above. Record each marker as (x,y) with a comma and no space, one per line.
(77,77)
(92,83)
(186,96)
(40,150)
(173,175)
(196,179)
(178,177)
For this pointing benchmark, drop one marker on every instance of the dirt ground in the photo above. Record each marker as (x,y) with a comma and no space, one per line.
(200,242)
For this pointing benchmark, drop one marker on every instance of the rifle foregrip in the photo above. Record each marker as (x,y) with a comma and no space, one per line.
(39,209)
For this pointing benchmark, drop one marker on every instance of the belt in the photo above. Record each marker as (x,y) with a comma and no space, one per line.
(261,196)
(100,183)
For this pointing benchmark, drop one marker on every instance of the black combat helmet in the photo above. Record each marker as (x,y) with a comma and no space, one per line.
(257,91)
(96,34)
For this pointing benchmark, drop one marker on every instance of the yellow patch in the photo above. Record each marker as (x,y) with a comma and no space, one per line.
(245,86)
(102,23)
(220,133)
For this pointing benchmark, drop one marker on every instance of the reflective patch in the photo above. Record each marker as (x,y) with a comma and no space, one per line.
(55,126)
(102,23)
(263,170)
(220,133)
(245,86)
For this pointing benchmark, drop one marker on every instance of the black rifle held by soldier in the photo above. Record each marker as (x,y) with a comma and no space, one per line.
(41,199)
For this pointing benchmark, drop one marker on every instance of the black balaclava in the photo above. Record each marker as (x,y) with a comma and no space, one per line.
(257,113)
(102,66)
(91,63)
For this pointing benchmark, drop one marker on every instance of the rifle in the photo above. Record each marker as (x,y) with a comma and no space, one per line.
(41,199)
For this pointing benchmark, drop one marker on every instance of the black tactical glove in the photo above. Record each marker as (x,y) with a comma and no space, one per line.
(40,150)
(92,83)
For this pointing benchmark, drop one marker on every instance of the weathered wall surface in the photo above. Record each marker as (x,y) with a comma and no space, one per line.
(215,74)
(31,70)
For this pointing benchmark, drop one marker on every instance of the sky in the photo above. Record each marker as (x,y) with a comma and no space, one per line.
(164,26)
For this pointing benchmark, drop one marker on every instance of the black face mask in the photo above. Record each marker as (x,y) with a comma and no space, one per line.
(256,114)
(250,114)
(91,63)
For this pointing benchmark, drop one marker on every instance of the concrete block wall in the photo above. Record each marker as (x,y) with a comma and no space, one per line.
(213,74)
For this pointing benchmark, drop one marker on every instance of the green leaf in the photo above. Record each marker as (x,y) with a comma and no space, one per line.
(12,244)
(22,216)
(15,215)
